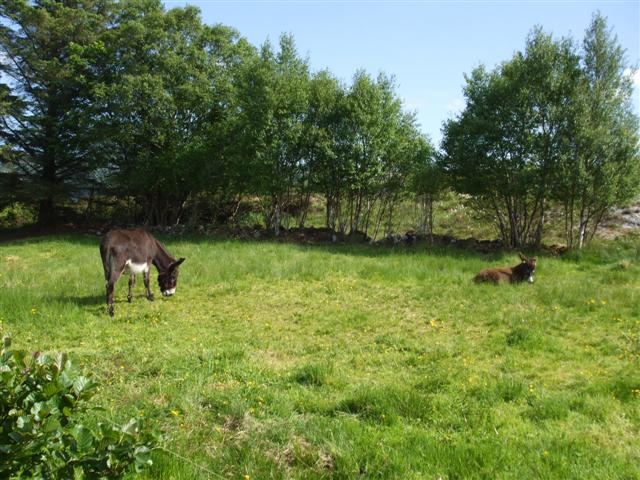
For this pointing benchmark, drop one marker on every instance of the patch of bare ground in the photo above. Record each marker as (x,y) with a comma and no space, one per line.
(620,222)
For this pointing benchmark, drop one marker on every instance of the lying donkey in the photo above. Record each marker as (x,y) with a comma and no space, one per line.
(519,273)
(134,251)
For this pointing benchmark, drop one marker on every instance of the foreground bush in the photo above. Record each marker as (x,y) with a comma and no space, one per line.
(41,435)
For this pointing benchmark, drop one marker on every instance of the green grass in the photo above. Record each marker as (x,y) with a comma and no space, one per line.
(282,361)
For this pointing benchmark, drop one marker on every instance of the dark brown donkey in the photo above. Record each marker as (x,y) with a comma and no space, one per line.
(134,251)
(519,273)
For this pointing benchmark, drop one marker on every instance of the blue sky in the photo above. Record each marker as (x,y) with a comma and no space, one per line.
(427,45)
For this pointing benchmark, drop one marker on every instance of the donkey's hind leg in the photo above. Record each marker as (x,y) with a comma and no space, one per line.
(132,283)
(145,279)
(114,274)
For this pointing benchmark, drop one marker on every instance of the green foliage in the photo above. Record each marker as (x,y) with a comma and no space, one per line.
(46,131)
(168,103)
(273,99)
(602,167)
(16,214)
(154,107)
(42,399)
(152,114)
(505,144)
(551,125)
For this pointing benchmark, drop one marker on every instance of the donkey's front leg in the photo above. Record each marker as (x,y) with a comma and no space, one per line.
(132,283)
(145,278)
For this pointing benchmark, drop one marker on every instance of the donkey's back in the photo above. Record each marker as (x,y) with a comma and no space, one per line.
(495,275)
(519,273)
(136,246)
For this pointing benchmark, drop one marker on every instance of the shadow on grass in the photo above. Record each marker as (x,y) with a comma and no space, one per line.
(345,248)
(80,300)
(600,252)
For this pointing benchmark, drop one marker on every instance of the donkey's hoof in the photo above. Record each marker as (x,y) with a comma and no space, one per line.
(150,298)
(111,312)
(129,299)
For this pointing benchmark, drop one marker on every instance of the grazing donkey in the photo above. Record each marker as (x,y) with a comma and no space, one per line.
(519,273)
(134,251)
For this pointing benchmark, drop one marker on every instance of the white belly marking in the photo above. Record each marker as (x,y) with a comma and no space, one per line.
(132,267)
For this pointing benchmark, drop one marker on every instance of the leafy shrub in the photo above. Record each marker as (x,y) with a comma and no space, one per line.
(41,436)
(16,215)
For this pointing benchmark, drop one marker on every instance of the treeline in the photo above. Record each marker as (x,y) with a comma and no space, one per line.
(175,121)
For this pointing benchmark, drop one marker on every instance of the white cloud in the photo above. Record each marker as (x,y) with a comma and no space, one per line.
(634,75)
(416,103)
(456,105)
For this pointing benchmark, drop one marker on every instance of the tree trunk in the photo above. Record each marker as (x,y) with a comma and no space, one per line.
(540,227)
(46,212)
(306,204)
(46,207)
(277,218)
(430,206)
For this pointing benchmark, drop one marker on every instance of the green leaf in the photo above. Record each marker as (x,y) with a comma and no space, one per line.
(143,458)
(24,423)
(51,424)
(83,437)
(50,389)
(79,384)
(131,427)
(61,361)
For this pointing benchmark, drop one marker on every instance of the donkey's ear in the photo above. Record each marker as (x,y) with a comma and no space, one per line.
(175,264)
(522,257)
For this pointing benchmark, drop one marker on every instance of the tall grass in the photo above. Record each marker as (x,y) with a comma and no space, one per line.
(282,361)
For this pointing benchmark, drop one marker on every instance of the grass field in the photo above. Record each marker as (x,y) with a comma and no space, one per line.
(283,361)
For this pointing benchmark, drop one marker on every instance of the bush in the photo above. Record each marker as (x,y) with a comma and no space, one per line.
(16,215)
(42,398)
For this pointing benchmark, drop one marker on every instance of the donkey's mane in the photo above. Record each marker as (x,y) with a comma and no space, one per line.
(163,259)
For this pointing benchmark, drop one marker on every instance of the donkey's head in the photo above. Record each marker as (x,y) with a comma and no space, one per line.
(527,267)
(168,280)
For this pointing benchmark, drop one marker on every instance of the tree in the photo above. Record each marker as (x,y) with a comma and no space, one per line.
(45,45)
(602,168)
(372,118)
(550,125)
(505,145)
(165,104)
(323,142)
(406,153)
(487,153)
(273,104)
(427,184)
